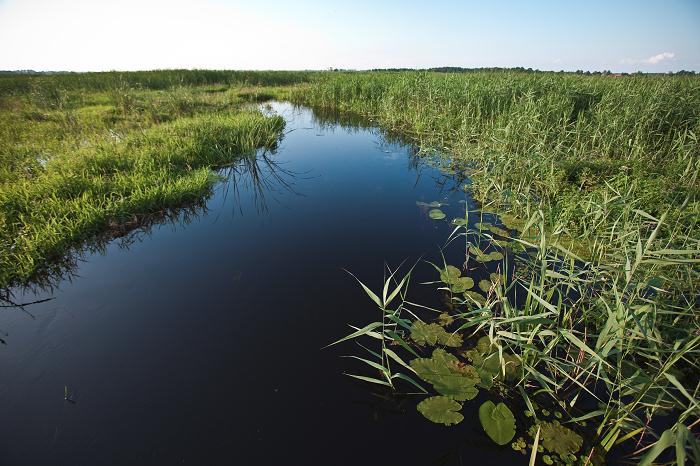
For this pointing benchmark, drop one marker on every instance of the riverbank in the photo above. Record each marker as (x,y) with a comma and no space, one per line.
(95,155)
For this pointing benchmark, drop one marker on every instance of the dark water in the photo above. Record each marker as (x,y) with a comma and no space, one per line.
(200,342)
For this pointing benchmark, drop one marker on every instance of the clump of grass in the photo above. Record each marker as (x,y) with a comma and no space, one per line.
(77,164)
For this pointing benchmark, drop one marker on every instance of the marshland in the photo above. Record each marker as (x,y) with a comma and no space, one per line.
(349,267)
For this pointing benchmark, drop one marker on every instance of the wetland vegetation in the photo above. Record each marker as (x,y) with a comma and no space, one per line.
(571,307)
(598,320)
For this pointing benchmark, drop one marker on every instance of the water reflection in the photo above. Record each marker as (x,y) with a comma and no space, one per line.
(196,337)
(262,176)
(257,175)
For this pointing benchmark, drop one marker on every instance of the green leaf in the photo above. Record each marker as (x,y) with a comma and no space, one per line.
(485,286)
(363,331)
(432,334)
(667,439)
(458,388)
(559,439)
(450,274)
(499,231)
(445,319)
(477,297)
(369,379)
(462,284)
(436,214)
(448,375)
(441,410)
(433,204)
(498,422)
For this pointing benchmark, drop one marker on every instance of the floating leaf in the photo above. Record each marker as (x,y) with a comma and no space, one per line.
(512,364)
(475,296)
(445,319)
(441,410)
(462,284)
(498,422)
(495,277)
(432,334)
(495,256)
(460,222)
(436,214)
(482,225)
(434,204)
(459,388)
(482,256)
(450,274)
(448,375)
(499,231)
(485,286)
(483,345)
(474,356)
(558,439)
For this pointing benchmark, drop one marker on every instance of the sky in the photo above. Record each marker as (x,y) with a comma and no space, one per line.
(98,35)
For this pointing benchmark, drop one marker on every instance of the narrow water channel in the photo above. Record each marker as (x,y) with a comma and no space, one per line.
(198,341)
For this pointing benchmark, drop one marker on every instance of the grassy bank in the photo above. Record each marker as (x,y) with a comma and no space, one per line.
(89,155)
(601,318)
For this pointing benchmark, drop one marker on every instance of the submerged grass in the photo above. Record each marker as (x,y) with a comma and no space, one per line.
(89,155)
(600,175)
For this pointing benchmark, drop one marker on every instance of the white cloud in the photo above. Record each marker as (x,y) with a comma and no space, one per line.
(659,58)
(653,60)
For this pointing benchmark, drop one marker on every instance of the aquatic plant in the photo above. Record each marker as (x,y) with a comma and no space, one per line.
(441,410)
(436,214)
(498,422)
(431,334)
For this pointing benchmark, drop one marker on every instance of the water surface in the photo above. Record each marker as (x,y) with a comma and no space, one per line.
(199,341)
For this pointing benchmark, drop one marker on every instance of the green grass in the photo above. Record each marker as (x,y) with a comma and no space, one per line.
(600,175)
(90,156)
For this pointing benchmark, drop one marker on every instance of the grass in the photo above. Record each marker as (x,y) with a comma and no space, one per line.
(600,175)
(93,155)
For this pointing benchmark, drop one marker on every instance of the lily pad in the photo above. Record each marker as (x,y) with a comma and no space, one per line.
(434,204)
(436,214)
(450,274)
(498,422)
(441,410)
(445,319)
(483,225)
(475,296)
(433,334)
(495,256)
(458,388)
(559,439)
(499,231)
(485,286)
(462,284)
(483,345)
(459,221)
(448,375)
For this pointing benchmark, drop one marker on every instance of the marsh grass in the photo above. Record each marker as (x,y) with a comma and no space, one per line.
(600,176)
(83,156)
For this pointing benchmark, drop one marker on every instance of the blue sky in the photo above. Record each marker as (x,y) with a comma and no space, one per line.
(85,35)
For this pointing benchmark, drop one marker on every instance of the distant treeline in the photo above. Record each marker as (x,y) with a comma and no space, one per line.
(17,82)
(520,69)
